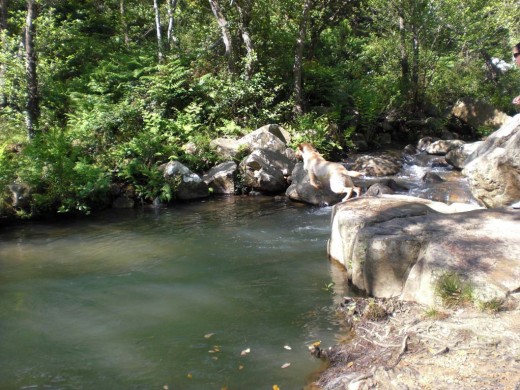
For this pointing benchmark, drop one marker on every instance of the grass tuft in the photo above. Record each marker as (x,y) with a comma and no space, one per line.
(452,290)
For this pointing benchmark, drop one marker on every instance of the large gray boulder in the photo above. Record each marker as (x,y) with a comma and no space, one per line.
(272,137)
(398,246)
(301,190)
(457,157)
(493,169)
(266,170)
(190,185)
(479,113)
(221,178)
(442,146)
(382,165)
(20,195)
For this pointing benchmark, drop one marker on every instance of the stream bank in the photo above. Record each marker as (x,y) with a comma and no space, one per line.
(403,345)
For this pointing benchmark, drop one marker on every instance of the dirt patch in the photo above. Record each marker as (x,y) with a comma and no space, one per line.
(400,345)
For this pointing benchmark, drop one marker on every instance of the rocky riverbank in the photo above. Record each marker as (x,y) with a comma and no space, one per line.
(403,345)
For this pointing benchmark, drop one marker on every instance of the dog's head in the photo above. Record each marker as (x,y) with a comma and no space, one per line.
(304,149)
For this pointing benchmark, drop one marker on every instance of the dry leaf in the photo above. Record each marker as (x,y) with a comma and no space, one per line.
(286,365)
(189,376)
(275,387)
(245,351)
(350,364)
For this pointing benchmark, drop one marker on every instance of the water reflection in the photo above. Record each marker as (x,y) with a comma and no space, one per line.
(125,299)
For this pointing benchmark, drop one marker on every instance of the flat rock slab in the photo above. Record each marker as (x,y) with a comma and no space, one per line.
(399,246)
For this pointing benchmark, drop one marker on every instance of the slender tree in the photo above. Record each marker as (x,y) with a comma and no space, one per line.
(124,22)
(226,35)
(244,11)
(32,103)
(160,49)
(171,38)
(3,31)
(298,59)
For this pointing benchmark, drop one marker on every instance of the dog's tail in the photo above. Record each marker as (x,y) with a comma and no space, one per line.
(354,173)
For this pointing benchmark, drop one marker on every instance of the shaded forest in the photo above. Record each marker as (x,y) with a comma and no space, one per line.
(99,93)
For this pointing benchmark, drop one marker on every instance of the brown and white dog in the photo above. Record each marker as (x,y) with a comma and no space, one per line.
(327,173)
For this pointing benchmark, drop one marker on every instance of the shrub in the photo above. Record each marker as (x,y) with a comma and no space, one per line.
(452,290)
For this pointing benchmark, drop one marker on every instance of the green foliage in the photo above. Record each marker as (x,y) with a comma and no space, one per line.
(247,103)
(435,314)
(374,311)
(452,290)
(321,131)
(60,177)
(121,115)
(491,306)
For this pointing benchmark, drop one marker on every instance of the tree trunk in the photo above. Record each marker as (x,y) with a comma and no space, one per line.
(415,71)
(32,105)
(160,51)
(124,23)
(3,30)
(226,36)
(405,63)
(244,13)
(171,38)
(298,59)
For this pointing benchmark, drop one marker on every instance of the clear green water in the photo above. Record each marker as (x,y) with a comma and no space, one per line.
(124,300)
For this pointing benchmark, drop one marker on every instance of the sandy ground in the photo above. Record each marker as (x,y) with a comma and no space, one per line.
(397,345)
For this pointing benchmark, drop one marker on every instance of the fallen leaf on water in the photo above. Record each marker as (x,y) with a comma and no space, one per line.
(207,336)
(240,367)
(287,347)
(165,387)
(189,376)
(245,351)
(286,365)
(275,387)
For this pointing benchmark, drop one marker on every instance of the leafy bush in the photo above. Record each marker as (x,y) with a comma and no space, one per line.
(61,177)
(321,131)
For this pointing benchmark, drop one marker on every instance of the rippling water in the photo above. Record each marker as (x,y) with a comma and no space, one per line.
(170,297)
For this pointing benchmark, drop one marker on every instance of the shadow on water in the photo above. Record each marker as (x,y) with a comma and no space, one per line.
(168,297)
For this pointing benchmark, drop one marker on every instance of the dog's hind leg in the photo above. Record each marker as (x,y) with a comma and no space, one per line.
(348,192)
(312,178)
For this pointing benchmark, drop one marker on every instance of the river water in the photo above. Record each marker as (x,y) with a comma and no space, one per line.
(168,298)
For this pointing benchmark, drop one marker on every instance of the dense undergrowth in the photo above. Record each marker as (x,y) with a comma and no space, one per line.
(111,113)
